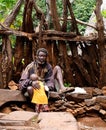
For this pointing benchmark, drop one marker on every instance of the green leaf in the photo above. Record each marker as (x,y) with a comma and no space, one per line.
(103,12)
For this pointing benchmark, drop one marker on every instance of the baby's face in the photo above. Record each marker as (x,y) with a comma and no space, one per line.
(33,77)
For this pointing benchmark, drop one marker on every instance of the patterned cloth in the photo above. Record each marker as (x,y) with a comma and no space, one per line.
(44,72)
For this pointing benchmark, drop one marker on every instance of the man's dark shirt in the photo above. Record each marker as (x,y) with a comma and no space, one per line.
(44,72)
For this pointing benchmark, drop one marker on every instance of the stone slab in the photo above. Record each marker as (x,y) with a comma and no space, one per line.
(24,120)
(21,118)
(57,121)
(2,114)
(7,95)
(18,128)
(91,123)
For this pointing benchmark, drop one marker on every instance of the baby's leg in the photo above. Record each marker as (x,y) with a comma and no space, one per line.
(37,108)
(45,108)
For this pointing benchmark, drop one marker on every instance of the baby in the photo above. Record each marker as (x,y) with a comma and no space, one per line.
(39,96)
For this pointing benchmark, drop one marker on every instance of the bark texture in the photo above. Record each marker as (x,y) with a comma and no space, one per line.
(82,58)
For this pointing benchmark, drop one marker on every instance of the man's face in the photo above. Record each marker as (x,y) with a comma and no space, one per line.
(41,57)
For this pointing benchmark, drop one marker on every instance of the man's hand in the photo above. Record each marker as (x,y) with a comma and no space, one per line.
(35,85)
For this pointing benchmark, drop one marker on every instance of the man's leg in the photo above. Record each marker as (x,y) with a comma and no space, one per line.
(57,73)
(30,91)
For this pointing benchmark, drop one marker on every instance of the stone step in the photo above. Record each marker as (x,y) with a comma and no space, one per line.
(18,128)
(24,120)
(19,118)
(57,121)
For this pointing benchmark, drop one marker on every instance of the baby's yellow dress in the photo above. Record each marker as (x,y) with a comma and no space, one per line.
(39,96)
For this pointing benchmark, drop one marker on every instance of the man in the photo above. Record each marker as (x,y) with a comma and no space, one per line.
(45,72)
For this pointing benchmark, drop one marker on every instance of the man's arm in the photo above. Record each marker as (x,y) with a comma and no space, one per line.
(24,81)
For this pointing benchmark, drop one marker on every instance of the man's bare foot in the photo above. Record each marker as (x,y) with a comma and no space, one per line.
(66,89)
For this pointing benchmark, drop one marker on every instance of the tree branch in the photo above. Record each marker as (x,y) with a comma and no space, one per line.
(9,20)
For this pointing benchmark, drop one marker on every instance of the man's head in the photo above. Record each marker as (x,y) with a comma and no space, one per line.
(41,55)
(42,50)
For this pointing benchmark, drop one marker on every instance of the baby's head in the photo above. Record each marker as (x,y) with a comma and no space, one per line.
(34,77)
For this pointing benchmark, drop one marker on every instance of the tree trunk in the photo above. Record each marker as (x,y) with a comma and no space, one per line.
(28,27)
(101,44)
(6,62)
(18,57)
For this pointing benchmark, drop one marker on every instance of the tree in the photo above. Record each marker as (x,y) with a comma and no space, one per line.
(101,44)
(98,19)
(61,36)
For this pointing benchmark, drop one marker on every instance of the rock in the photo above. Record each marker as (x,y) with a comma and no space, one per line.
(92,108)
(82,104)
(57,121)
(54,96)
(80,110)
(104,88)
(77,97)
(59,103)
(68,105)
(104,92)
(14,107)
(97,91)
(62,108)
(7,95)
(91,123)
(103,105)
(52,108)
(103,112)
(101,99)
(89,90)
(90,102)
(96,107)
(18,118)
(12,85)
(6,110)
(18,128)
(22,120)
(2,114)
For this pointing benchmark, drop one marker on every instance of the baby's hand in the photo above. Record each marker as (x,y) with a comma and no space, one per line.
(35,85)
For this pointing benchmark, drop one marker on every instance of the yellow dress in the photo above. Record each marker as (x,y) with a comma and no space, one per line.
(39,96)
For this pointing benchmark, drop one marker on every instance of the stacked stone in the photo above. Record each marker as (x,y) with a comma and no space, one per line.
(79,104)
(94,101)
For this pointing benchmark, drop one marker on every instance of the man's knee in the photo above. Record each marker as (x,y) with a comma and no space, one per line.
(57,67)
(29,88)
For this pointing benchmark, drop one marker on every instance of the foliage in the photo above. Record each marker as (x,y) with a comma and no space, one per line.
(42,5)
(67,84)
(104,13)
(6,7)
(83,10)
